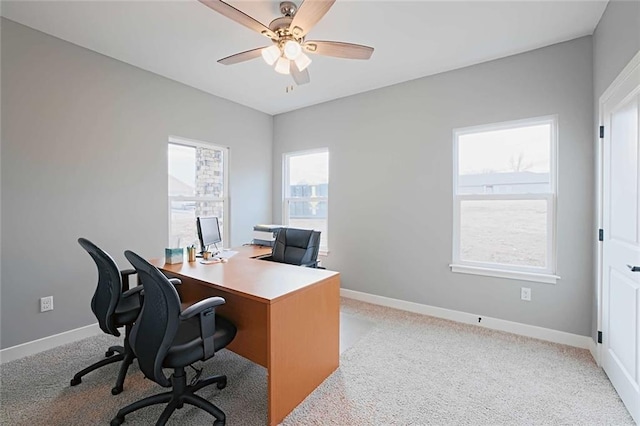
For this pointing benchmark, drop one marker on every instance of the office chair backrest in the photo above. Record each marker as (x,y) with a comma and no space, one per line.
(296,246)
(156,327)
(107,294)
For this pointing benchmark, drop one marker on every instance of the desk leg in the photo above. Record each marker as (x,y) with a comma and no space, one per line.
(304,345)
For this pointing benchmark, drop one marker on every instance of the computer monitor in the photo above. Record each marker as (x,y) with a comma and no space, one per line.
(208,232)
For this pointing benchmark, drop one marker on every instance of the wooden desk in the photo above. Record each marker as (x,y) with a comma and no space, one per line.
(288,319)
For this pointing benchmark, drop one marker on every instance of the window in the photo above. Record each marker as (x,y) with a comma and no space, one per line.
(504,200)
(306,192)
(198,176)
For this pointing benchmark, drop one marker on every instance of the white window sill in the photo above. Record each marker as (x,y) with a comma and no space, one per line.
(501,273)
(323,253)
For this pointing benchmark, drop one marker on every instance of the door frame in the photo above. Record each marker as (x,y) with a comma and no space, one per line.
(615,85)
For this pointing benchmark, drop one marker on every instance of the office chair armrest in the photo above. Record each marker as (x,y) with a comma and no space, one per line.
(206,309)
(137,289)
(201,306)
(125,274)
(174,281)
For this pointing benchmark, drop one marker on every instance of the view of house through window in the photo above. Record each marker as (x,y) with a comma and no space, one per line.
(504,196)
(197,187)
(306,192)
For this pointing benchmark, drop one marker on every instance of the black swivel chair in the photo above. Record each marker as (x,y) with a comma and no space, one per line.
(114,309)
(166,337)
(296,247)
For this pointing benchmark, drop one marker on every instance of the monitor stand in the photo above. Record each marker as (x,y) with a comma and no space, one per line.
(213,253)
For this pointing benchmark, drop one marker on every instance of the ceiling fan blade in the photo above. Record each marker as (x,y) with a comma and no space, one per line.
(300,77)
(338,49)
(241,57)
(308,14)
(239,16)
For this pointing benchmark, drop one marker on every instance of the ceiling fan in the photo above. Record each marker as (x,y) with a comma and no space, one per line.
(288,33)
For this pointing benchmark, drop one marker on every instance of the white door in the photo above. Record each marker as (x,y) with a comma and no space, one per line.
(621,247)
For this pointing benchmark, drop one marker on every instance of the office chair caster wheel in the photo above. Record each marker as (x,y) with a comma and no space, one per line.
(221,385)
(109,353)
(75,382)
(117,421)
(116,390)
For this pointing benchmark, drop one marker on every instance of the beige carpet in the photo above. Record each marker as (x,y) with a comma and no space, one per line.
(406,369)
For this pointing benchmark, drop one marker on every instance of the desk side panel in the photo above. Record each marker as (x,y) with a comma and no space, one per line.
(304,345)
(248,315)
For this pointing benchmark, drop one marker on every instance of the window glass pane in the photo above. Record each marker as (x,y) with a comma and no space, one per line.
(509,232)
(310,215)
(209,173)
(195,171)
(308,175)
(182,172)
(183,220)
(183,224)
(506,161)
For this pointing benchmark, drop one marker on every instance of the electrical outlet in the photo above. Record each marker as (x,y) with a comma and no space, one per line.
(525,294)
(46,304)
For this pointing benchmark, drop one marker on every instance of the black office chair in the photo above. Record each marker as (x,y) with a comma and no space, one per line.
(296,247)
(114,309)
(165,337)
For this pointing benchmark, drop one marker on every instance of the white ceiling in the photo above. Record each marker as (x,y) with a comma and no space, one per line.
(182,40)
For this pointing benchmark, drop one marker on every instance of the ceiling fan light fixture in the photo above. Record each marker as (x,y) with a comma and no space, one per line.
(287,54)
(302,61)
(271,54)
(292,49)
(282,66)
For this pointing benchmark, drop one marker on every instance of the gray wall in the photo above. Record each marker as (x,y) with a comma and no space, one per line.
(615,41)
(84,153)
(390,209)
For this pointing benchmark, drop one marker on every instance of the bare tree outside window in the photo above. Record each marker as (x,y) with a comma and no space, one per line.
(518,164)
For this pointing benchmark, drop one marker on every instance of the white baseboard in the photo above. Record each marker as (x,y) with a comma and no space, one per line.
(584,342)
(50,342)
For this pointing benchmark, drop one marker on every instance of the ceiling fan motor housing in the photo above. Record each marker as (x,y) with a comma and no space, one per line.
(288,8)
(280,25)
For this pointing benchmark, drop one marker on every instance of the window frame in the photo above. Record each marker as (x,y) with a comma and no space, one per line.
(545,274)
(286,198)
(177,140)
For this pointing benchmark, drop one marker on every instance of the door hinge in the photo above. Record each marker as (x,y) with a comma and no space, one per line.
(601,132)
(601,234)
(599,336)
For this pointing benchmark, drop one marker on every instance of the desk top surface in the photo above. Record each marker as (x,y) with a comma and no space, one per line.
(244,274)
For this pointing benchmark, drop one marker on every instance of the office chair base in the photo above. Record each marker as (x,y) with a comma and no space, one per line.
(77,379)
(113,350)
(124,354)
(179,395)
(122,374)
